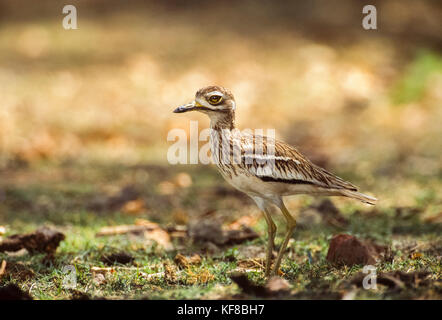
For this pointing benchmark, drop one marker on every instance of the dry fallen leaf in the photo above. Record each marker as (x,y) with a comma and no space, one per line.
(181,260)
(416,255)
(134,207)
(170,274)
(148,229)
(195,259)
(184,261)
(247,221)
(161,237)
(41,240)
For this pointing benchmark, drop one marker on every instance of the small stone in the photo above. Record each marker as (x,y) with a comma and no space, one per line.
(348,250)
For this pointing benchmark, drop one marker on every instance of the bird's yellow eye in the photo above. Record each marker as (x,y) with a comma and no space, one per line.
(215,99)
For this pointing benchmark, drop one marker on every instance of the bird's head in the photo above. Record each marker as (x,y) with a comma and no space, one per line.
(214,101)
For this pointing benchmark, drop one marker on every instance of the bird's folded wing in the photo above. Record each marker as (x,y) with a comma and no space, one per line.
(277,161)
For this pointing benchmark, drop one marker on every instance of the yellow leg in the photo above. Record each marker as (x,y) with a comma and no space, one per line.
(291,224)
(271,241)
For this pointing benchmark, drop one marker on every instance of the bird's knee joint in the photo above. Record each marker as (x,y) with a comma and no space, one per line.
(273,228)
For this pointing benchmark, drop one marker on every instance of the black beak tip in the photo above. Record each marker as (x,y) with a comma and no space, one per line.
(178,110)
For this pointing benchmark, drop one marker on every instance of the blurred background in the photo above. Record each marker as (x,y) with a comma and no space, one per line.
(363,103)
(85,114)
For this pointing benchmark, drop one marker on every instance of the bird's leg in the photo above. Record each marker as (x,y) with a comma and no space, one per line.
(291,224)
(271,241)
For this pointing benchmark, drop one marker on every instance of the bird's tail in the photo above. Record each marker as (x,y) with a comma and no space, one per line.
(359,196)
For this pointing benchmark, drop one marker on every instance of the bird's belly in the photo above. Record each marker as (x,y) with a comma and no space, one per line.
(254,186)
(249,184)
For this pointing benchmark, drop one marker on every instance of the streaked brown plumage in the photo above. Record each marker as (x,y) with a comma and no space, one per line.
(264,168)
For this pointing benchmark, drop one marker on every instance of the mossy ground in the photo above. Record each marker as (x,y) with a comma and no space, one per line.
(60,195)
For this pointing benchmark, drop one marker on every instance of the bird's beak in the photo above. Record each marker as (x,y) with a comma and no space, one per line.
(187,107)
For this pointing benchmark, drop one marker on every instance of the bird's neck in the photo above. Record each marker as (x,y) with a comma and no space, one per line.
(222,121)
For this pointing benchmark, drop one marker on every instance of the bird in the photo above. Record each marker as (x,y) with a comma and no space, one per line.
(264,168)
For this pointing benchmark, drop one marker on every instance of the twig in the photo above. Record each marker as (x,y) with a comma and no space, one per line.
(3,268)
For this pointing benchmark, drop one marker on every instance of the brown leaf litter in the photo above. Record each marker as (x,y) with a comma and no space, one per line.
(13,292)
(247,264)
(244,221)
(347,250)
(170,273)
(42,240)
(274,288)
(157,234)
(201,277)
(184,262)
(150,230)
(251,257)
(210,230)
(18,270)
(134,207)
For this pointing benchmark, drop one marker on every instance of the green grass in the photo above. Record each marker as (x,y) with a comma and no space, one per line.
(411,87)
(65,204)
